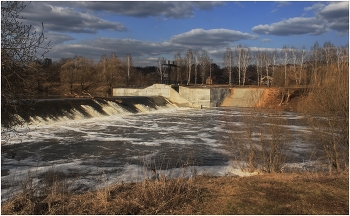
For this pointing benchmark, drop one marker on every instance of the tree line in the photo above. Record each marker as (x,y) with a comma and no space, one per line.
(241,66)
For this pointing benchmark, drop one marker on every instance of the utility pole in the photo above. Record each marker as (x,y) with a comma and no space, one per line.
(169,65)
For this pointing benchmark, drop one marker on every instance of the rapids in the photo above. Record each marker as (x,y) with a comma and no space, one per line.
(101,142)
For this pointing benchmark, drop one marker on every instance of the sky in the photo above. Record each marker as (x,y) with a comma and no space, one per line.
(149,30)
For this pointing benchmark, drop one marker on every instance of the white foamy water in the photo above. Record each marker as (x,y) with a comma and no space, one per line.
(177,142)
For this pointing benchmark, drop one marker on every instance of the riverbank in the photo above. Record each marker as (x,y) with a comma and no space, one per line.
(286,193)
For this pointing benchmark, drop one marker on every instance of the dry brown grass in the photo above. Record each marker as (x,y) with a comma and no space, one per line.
(148,197)
(276,194)
(292,193)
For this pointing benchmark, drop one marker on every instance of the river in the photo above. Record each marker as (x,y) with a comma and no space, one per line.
(104,150)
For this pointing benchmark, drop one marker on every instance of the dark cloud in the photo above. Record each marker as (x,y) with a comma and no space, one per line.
(95,48)
(335,10)
(147,52)
(337,15)
(166,9)
(212,37)
(64,19)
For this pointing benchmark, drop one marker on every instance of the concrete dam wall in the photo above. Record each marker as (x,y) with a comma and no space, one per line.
(244,97)
(53,110)
(192,96)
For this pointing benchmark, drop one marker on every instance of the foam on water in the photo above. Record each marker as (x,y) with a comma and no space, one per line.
(124,147)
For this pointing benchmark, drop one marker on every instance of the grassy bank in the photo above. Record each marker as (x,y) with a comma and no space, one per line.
(286,193)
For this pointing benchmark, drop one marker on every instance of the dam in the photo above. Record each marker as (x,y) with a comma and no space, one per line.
(203,96)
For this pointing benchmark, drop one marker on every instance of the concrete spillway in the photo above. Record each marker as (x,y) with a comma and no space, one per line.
(243,97)
(52,110)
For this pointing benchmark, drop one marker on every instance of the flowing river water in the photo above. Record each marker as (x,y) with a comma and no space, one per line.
(104,150)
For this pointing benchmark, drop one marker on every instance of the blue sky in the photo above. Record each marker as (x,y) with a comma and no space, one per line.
(149,30)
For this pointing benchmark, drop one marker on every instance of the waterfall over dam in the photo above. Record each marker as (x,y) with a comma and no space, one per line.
(48,110)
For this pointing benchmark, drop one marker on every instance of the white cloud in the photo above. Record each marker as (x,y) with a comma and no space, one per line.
(283,3)
(265,40)
(293,26)
(333,16)
(212,37)
(315,7)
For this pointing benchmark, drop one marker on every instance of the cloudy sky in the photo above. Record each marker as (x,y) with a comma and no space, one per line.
(148,30)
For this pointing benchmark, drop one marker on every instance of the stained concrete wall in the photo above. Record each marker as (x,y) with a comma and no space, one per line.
(204,97)
(154,90)
(176,98)
(218,95)
(243,97)
(197,96)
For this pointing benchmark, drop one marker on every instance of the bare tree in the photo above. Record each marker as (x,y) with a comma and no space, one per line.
(111,71)
(285,52)
(294,52)
(302,57)
(228,62)
(258,61)
(210,67)
(331,102)
(85,71)
(189,60)
(266,60)
(339,57)
(245,62)
(78,70)
(205,64)
(342,58)
(286,93)
(20,46)
(68,74)
(239,61)
(330,52)
(128,65)
(274,58)
(179,62)
(315,58)
(196,60)
(160,71)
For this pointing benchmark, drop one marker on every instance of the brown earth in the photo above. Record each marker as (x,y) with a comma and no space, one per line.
(272,194)
(271,99)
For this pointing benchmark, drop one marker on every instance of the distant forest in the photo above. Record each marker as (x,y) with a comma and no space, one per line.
(242,66)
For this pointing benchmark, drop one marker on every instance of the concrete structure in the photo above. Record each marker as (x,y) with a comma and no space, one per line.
(244,97)
(187,96)
(191,96)
(155,90)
